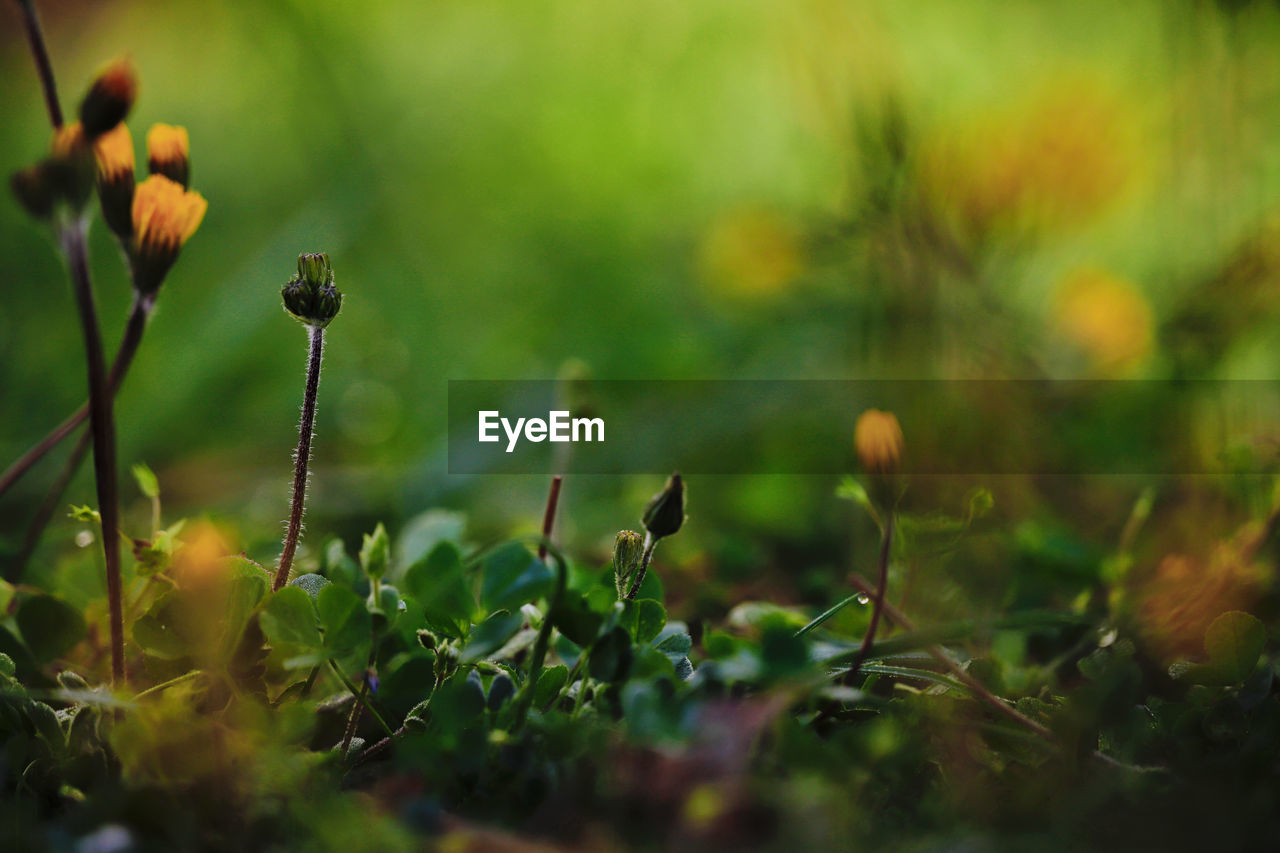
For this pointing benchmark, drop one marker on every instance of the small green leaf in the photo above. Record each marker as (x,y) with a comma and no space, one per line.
(50,627)
(439,584)
(6,597)
(674,641)
(490,635)
(290,619)
(611,656)
(8,668)
(513,576)
(575,619)
(146,479)
(644,619)
(1234,642)
(345,619)
(310,583)
(550,683)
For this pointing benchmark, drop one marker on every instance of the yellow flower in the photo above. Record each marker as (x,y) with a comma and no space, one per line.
(1106,317)
(168,152)
(114,152)
(877,438)
(164,217)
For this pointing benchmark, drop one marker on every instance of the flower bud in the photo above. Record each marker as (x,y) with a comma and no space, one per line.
(164,216)
(374,552)
(628,549)
(65,178)
(113,152)
(877,438)
(110,98)
(311,295)
(168,153)
(665,513)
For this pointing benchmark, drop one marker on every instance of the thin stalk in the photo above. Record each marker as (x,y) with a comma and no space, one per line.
(129,343)
(165,685)
(877,606)
(44,68)
(525,698)
(354,719)
(360,697)
(302,457)
(102,427)
(549,515)
(980,691)
(650,542)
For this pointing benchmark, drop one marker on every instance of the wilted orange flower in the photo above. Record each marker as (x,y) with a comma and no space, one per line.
(168,152)
(113,151)
(110,98)
(877,438)
(164,217)
(1106,317)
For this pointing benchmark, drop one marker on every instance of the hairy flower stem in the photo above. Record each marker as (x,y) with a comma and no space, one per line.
(354,719)
(549,515)
(302,457)
(650,542)
(102,427)
(44,68)
(877,606)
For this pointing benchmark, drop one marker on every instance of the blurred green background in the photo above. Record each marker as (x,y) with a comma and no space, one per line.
(712,189)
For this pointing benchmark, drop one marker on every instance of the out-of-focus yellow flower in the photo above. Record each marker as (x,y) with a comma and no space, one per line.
(168,152)
(1058,162)
(201,559)
(1106,317)
(751,252)
(164,218)
(113,151)
(877,438)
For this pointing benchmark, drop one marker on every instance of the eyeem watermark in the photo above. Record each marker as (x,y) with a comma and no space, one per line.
(558,427)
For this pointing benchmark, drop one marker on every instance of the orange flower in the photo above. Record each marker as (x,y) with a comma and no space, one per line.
(168,152)
(164,218)
(877,438)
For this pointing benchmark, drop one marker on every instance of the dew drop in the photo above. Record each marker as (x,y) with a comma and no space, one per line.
(863,598)
(84,538)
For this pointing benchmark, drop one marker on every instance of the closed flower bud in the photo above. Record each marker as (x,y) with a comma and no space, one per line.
(877,438)
(311,295)
(374,552)
(65,178)
(113,152)
(628,549)
(164,217)
(110,98)
(665,513)
(168,153)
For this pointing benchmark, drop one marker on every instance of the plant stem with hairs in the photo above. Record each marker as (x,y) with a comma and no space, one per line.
(102,428)
(303,455)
